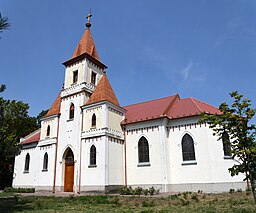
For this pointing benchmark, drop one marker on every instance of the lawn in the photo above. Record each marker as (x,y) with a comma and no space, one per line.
(184,202)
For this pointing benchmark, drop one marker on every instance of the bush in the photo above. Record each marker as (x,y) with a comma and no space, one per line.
(19,190)
(138,191)
(231,191)
(239,190)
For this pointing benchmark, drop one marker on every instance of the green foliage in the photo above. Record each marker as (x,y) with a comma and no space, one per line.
(4,23)
(14,124)
(39,116)
(19,190)
(231,191)
(235,120)
(128,190)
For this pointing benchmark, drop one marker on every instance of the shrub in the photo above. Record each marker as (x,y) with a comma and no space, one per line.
(194,196)
(138,191)
(146,192)
(152,190)
(239,190)
(19,190)
(231,191)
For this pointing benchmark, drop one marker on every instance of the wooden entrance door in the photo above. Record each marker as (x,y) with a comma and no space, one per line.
(69,177)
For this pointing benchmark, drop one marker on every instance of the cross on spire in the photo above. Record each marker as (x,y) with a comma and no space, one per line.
(88,24)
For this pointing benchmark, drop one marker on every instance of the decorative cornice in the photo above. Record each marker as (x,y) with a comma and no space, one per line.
(76,88)
(101,132)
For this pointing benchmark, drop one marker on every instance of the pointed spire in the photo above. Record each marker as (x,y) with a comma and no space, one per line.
(103,92)
(86,43)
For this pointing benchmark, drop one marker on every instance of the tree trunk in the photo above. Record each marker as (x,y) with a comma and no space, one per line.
(253,186)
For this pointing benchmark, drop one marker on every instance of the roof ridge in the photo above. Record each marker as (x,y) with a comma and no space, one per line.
(194,101)
(171,104)
(149,101)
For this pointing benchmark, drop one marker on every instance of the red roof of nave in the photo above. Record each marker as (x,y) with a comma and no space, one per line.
(32,138)
(172,107)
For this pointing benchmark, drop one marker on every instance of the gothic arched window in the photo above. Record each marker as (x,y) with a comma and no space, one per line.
(71,111)
(48,130)
(188,150)
(93,155)
(143,150)
(93,120)
(27,160)
(226,144)
(45,164)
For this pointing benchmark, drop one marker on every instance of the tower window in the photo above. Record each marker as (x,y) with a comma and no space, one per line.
(93,120)
(48,131)
(27,161)
(93,78)
(45,163)
(71,111)
(93,156)
(75,76)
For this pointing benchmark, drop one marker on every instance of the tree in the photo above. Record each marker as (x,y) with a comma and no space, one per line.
(4,23)
(235,120)
(39,116)
(14,124)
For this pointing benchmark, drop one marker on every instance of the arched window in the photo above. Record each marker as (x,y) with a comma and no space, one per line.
(226,144)
(48,130)
(93,155)
(143,150)
(27,159)
(188,150)
(93,120)
(71,111)
(45,164)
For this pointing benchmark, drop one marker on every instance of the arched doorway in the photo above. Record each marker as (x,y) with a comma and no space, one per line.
(69,171)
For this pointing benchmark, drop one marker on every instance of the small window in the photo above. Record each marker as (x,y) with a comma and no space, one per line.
(226,144)
(75,77)
(188,150)
(93,78)
(143,150)
(48,131)
(45,163)
(71,111)
(27,160)
(93,120)
(93,156)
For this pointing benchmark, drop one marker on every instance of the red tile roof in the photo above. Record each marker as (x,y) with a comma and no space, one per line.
(86,45)
(103,92)
(171,107)
(55,108)
(32,138)
(148,110)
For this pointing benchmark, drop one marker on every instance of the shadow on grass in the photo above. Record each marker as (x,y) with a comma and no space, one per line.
(11,204)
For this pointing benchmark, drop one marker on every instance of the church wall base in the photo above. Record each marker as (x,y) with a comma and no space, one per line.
(195,187)
(207,187)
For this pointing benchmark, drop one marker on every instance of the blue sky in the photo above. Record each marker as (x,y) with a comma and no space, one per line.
(201,48)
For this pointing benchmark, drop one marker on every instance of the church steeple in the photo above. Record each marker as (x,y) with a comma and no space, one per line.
(86,43)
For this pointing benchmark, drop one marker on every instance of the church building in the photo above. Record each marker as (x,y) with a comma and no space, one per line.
(89,142)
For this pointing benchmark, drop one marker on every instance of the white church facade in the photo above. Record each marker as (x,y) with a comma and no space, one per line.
(88,142)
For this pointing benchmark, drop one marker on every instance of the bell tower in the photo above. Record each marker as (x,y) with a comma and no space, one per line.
(83,72)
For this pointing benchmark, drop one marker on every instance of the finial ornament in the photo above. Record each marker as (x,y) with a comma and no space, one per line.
(88,24)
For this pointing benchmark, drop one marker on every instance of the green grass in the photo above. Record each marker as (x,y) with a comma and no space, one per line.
(195,202)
